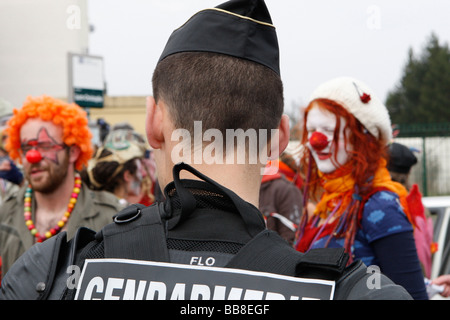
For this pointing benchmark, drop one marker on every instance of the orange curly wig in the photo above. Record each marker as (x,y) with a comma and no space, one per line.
(71,117)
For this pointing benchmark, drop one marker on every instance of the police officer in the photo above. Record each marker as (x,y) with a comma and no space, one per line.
(217,80)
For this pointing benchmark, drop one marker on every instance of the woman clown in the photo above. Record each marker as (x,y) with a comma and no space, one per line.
(357,205)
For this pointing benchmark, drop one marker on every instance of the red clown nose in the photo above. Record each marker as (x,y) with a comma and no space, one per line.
(318,141)
(33,156)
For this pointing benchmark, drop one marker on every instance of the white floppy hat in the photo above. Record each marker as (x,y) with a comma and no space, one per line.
(357,98)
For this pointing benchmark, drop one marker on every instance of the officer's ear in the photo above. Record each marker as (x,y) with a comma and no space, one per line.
(154,123)
(279,143)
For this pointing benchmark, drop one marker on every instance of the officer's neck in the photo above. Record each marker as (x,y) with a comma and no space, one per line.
(244,180)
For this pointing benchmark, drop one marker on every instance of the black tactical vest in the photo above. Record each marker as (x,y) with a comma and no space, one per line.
(192,227)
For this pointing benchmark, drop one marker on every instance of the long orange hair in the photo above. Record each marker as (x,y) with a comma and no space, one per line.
(70,116)
(365,154)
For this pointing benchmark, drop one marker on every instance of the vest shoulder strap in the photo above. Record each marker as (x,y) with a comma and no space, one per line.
(268,252)
(137,233)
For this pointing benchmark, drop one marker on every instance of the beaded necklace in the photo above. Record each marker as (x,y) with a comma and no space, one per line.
(61,223)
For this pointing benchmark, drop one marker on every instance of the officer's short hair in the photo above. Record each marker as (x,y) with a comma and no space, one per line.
(222,91)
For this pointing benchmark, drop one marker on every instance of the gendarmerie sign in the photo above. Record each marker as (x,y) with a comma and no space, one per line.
(117,279)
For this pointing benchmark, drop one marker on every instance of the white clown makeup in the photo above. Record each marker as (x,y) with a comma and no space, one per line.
(321,126)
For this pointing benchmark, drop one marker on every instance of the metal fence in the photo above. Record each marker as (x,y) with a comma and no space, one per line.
(432,172)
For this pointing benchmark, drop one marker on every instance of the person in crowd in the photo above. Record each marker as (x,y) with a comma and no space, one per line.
(11,176)
(443,280)
(219,68)
(280,201)
(52,141)
(401,161)
(119,170)
(359,207)
(9,172)
(120,138)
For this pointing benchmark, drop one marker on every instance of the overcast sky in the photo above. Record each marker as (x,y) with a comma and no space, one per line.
(319,40)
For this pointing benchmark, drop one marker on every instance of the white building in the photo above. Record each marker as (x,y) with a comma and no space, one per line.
(35,39)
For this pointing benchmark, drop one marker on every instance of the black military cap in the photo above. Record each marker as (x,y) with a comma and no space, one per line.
(239,28)
(401,158)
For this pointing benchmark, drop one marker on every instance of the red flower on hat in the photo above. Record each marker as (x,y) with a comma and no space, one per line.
(365,98)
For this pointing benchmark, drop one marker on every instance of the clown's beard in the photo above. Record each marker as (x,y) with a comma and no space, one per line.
(48,178)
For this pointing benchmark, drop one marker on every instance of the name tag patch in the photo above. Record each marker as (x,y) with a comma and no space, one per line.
(200,258)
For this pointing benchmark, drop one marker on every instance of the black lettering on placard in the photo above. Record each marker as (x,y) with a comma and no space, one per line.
(121,279)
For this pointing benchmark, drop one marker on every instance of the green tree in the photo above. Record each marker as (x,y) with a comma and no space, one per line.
(423,95)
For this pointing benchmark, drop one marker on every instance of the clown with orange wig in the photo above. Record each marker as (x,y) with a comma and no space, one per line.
(52,141)
(358,207)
